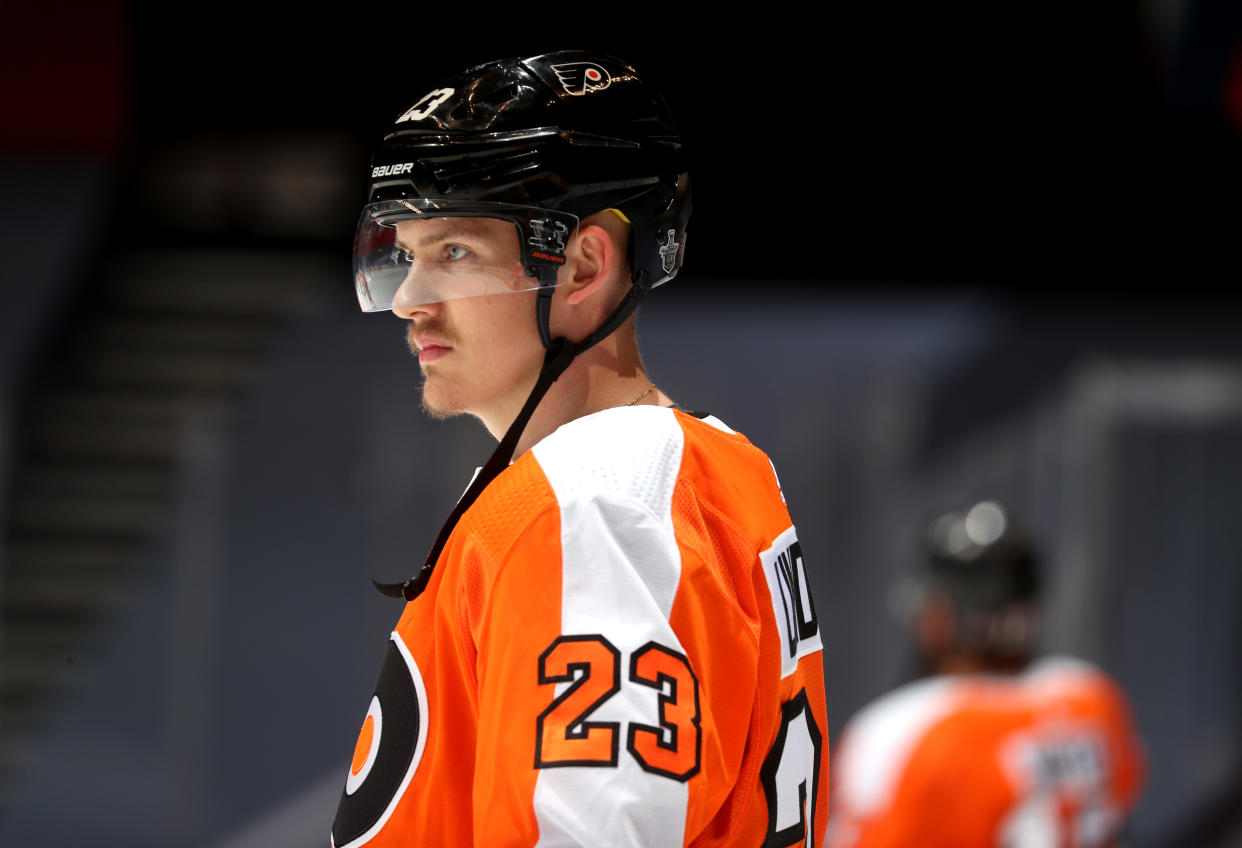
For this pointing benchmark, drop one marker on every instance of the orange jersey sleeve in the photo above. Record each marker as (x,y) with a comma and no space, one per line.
(618,646)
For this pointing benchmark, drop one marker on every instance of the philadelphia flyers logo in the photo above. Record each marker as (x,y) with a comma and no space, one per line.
(389,747)
(582,77)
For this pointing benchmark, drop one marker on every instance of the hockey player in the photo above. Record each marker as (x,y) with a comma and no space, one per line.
(993,747)
(612,640)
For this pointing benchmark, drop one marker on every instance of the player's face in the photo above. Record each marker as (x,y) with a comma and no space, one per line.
(479,355)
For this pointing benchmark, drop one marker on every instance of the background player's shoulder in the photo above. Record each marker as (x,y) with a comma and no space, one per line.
(1059,666)
(1057,672)
(904,706)
(882,737)
(1057,678)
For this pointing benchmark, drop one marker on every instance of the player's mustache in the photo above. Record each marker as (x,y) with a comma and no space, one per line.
(430,328)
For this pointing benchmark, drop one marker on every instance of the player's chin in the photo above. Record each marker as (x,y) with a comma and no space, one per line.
(436,403)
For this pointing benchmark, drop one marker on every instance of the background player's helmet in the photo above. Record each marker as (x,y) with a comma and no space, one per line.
(986,568)
(542,142)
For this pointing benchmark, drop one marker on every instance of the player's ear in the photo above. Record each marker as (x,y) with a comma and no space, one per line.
(591,265)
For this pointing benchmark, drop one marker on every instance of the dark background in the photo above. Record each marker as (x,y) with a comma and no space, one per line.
(1029,147)
(939,252)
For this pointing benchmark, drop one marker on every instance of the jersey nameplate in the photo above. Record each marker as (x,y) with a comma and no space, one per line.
(785,571)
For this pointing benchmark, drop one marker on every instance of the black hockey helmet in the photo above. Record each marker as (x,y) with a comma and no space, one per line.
(980,559)
(544,142)
(987,569)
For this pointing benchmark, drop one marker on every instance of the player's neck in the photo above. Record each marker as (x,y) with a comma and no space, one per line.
(964,663)
(606,376)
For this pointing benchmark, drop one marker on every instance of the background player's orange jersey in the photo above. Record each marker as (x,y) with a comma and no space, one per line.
(617,647)
(1043,759)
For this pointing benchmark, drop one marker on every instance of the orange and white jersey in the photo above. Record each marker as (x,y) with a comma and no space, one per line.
(1043,759)
(617,647)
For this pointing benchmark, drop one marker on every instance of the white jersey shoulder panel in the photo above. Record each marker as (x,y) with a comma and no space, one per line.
(613,474)
(627,452)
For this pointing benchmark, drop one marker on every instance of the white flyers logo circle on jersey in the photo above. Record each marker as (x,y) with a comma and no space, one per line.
(578,78)
(367,747)
(390,746)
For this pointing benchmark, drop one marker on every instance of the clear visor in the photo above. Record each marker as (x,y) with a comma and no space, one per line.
(419,251)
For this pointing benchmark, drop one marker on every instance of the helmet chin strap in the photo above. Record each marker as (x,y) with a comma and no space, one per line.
(559,354)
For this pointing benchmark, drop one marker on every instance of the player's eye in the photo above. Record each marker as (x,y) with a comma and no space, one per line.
(455,252)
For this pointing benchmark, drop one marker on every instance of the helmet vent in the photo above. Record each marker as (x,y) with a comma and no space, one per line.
(481,108)
(473,170)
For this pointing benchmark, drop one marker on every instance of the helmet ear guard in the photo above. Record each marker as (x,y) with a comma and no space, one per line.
(658,241)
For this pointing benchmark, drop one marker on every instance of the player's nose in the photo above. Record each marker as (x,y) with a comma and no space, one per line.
(410,311)
(416,296)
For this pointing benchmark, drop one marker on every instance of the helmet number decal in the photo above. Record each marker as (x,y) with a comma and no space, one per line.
(430,101)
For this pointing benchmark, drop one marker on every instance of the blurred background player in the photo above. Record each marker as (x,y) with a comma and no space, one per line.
(992,746)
